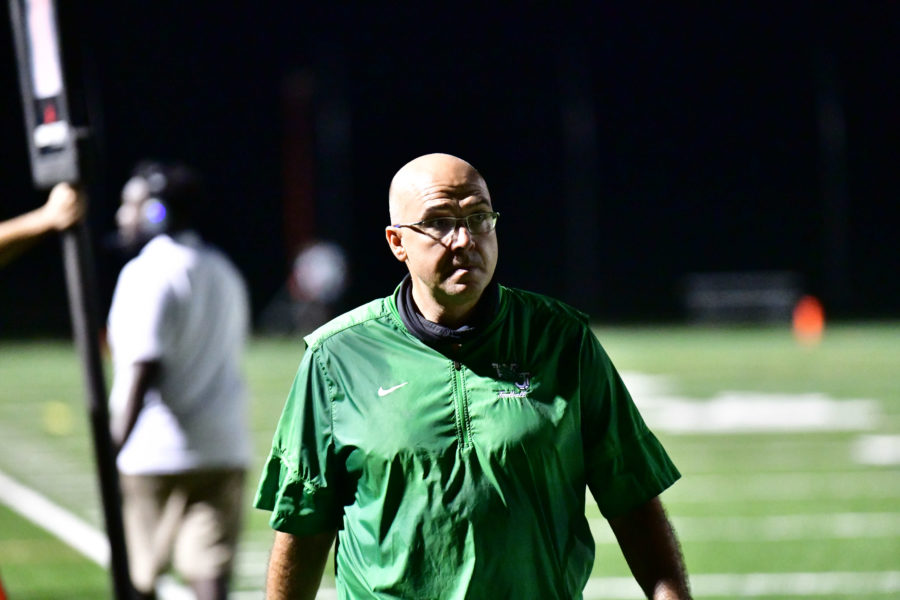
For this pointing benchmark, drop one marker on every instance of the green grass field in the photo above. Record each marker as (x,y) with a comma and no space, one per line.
(803,504)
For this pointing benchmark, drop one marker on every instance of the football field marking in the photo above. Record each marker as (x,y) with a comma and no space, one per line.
(91,542)
(79,535)
(67,527)
(881,450)
(746,412)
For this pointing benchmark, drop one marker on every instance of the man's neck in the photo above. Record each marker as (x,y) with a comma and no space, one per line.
(452,316)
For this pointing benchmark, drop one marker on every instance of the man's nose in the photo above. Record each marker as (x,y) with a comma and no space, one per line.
(460,237)
(126,214)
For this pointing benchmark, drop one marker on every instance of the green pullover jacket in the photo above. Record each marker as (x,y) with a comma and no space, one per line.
(465,476)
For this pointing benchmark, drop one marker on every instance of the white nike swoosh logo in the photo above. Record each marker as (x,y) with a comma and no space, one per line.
(385,392)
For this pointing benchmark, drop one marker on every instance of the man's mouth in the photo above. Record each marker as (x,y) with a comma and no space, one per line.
(463,263)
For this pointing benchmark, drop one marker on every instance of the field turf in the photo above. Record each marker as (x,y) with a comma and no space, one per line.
(804,504)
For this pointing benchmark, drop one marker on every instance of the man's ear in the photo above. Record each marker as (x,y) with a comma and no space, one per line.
(395,241)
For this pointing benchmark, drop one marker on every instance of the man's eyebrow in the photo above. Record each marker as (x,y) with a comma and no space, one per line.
(443,207)
(439,212)
(483,205)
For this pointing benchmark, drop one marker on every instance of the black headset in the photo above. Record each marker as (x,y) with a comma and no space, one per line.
(170,192)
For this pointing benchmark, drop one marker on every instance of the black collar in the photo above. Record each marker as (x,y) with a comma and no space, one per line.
(436,335)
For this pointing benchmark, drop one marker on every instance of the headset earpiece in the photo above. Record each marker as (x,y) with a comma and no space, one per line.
(154,216)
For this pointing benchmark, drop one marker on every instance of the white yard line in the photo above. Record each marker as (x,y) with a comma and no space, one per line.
(882,450)
(737,412)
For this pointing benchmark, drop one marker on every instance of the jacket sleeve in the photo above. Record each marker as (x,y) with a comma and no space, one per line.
(299,479)
(625,464)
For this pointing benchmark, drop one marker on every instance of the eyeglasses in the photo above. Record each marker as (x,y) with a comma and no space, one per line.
(441,227)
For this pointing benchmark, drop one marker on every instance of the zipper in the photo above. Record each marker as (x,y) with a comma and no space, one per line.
(462,405)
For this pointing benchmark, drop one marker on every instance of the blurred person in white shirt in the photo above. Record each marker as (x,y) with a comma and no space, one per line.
(177,329)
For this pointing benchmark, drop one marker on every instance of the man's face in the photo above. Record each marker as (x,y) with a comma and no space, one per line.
(140,216)
(455,269)
(128,216)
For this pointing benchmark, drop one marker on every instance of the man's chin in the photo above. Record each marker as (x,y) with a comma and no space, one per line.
(463,286)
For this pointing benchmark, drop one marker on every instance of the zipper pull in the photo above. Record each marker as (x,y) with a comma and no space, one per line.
(457,350)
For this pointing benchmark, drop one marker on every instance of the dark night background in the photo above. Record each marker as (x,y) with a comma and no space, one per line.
(625,144)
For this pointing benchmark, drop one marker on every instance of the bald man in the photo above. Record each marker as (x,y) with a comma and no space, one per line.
(447,434)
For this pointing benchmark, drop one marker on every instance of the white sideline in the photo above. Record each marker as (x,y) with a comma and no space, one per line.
(89,541)
(67,527)
(75,532)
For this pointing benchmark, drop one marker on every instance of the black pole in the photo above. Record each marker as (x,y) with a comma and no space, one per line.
(53,148)
(80,281)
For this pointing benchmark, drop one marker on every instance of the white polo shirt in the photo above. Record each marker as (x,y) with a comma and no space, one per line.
(184,304)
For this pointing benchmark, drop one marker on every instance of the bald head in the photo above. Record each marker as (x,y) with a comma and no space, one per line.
(422,176)
(449,270)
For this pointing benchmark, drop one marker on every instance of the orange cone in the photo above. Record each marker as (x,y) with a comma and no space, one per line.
(809,320)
